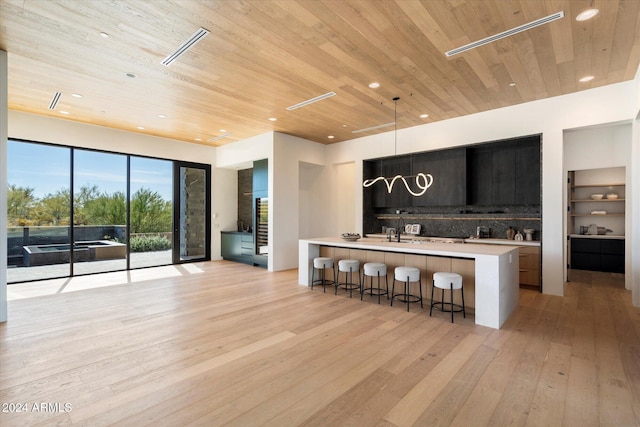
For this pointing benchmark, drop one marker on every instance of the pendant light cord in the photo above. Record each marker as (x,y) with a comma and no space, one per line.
(395,125)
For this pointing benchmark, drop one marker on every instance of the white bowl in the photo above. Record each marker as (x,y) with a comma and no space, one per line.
(612,196)
(597,196)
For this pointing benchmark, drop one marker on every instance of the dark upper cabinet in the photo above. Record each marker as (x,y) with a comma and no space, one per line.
(503,176)
(528,173)
(261,177)
(449,171)
(504,173)
(480,176)
(378,193)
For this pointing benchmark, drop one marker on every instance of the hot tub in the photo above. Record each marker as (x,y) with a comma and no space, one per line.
(94,250)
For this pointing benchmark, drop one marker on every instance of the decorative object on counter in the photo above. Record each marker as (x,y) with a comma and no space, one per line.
(350,237)
(528,233)
(612,196)
(412,229)
(511,233)
(423,181)
(518,237)
(597,196)
(595,230)
(483,232)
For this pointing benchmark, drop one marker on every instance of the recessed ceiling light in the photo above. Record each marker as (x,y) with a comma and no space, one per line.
(512,84)
(131,75)
(65,112)
(344,126)
(424,116)
(76,95)
(587,14)
(104,35)
(162,116)
(140,127)
(198,139)
(331,137)
(272,119)
(586,79)
(374,85)
(222,130)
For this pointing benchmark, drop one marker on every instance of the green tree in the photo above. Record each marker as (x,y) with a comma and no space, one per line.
(150,213)
(82,198)
(53,209)
(20,203)
(105,209)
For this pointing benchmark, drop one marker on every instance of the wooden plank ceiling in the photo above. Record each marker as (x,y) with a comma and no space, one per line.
(262,56)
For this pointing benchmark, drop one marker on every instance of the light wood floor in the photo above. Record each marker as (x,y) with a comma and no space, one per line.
(236,345)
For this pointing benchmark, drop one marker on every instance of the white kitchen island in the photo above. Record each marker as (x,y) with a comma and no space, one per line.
(496,269)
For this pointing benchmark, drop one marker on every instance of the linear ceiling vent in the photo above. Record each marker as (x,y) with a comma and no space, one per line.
(311,101)
(506,34)
(195,38)
(373,128)
(215,138)
(54,100)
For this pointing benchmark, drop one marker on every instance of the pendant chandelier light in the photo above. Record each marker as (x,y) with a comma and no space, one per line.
(423,181)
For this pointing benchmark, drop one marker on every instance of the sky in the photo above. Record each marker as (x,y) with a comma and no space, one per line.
(45,168)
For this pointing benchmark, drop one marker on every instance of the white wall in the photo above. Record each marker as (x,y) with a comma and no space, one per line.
(46,129)
(284,193)
(342,206)
(312,195)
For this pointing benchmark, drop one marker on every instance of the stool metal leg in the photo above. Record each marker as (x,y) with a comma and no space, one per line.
(432,288)
(464,313)
(451,296)
(406,292)
(393,290)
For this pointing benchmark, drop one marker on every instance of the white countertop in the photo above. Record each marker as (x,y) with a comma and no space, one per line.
(469,240)
(496,269)
(595,236)
(504,242)
(416,247)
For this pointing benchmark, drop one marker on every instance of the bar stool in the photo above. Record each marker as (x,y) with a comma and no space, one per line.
(322,264)
(348,267)
(450,281)
(406,275)
(371,270)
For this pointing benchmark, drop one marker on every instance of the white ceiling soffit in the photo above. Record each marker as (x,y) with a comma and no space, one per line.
(195,38)
(311,101)
(506,34)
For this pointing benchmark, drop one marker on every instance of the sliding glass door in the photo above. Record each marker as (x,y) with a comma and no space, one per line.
(75,211)
(99,212)
(151,220)
(38,211)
